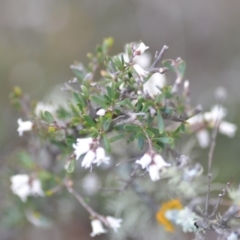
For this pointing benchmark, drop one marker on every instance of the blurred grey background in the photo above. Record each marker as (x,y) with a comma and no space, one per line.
(40,39)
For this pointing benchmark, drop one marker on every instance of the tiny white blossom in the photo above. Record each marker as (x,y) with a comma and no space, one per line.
(217,113)
(82,146)
(24,126)
(154,84)
(97,228)
(227,128)
(141,49)
(114,223)
(203,138)
(143,60)
(140,71)
(101,112)
(159,161)
(145,160)
(23,186)
(158,164)
(101,156)
(153,172)
(186,85)
(88,159)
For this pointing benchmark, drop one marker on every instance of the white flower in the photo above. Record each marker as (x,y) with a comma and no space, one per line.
(196,119)
(98,156)
(97,228)
(101,156)
(82,146)
(154,84)
(203,138)
(114,223)
(24,126)
(23,186)
(153,165)
(145,160)
(227,128)
(159,161)
(143,60)
(140,49)
(217,113)
(101,112)
(140,71)
(158,164)
(88,159)
(186,85)
(153,172)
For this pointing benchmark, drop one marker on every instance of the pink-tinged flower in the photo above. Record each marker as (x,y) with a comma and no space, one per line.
(140,71)
(101,112)
(145,160)
(97,228)
(140,49)
(23,186)
(114,223)
(82,146)
(24,126)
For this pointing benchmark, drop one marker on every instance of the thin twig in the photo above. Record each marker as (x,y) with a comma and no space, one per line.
(210,160)
(85,205)
(159,57)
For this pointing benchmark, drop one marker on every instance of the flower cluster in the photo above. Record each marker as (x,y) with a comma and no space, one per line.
(97,227)
(153,163)
(202,121)
(112,101)
(94,154)
(23,186)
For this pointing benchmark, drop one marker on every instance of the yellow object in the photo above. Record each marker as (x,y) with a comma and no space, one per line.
(160,215)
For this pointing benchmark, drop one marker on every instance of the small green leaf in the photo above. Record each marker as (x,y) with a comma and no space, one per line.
(69,141)
(99,100)
(89,120)
(181,66)
(84,90)
(79,98)
(182,127)
(71,166)
(166,140)
(160,122)
(106,143)
(48,117)
(107,124)
(169,64)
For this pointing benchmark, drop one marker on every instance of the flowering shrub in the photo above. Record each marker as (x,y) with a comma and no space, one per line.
(116,137)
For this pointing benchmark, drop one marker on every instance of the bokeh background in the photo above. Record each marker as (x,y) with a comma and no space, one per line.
(40,39)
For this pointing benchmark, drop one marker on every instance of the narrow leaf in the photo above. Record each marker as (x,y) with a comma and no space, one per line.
(160,122)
